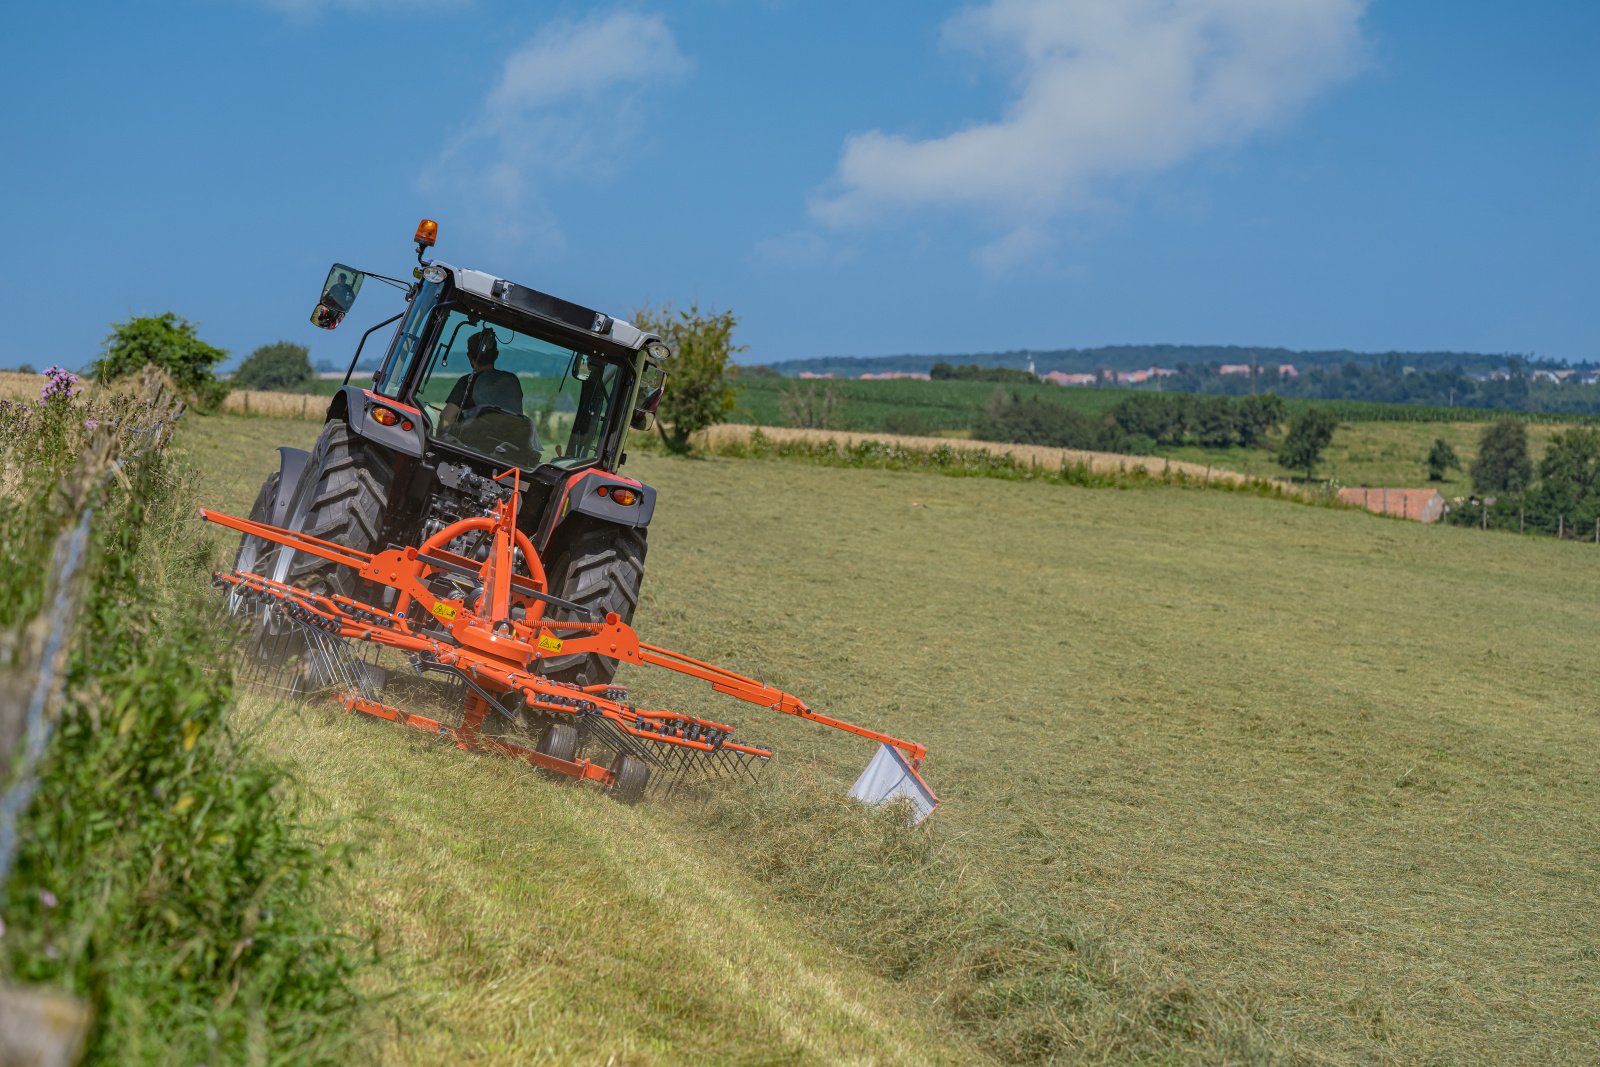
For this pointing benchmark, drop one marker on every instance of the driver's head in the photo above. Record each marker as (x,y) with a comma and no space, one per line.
(482,349)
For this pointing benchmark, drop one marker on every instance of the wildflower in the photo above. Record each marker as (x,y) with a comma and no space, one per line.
(89,424)
(60,384)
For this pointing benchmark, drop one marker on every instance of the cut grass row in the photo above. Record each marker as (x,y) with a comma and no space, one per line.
(1255,778)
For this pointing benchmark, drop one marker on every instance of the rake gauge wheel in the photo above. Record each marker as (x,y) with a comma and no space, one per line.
(559,740)
(632,774)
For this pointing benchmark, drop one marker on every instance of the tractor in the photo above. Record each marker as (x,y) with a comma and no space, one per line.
(481,375)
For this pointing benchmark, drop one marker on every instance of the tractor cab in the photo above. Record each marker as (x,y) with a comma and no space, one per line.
(481,375)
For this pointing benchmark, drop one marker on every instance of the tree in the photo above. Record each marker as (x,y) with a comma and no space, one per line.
(170,343)
(697,393)
(282,366)
(1568,494)
(1309,433)
(1258,415)
(1215,421)
(1440,459)
(1502,465)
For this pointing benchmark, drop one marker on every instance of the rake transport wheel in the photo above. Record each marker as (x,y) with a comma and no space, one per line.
(632,774)
(600,569)
(345,504)
(560,740)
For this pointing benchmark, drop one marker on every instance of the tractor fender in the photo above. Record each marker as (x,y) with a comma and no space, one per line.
(581,495)
(291,464)
(358,405)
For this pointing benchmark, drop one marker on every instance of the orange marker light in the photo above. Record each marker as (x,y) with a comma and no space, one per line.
(384,417)
(427,233)
(623,496)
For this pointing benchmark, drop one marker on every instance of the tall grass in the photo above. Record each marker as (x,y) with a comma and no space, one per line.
(164,872)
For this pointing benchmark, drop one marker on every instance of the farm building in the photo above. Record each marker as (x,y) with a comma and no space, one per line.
(1423,505)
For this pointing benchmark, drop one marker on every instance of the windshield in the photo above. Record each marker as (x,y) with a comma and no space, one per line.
(514,398)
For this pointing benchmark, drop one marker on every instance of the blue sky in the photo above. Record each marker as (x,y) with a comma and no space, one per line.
(850,179)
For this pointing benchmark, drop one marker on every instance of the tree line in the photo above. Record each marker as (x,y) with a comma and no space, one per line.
(1560,495)
(1391,380)
(1138,424)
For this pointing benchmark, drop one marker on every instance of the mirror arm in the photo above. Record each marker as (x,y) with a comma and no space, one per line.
(357,357)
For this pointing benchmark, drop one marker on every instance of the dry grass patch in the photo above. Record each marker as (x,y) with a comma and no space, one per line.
(1037,457)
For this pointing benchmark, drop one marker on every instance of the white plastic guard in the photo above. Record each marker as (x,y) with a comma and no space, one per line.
(889,777)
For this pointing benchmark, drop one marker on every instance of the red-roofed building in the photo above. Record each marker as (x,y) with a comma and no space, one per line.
(1423,505)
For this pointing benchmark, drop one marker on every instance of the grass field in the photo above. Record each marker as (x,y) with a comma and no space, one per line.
(1224,779)
(1376,453)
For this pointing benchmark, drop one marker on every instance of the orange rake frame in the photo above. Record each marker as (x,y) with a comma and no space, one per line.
(493,642)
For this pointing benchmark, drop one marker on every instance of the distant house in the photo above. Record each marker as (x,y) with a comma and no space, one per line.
(890,375)
(1286,370)
(809,374)
(1234,368)
(1060,378)
(1423,505)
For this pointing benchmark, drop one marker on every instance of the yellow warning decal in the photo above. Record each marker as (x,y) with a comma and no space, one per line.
(444,611)
(549,644)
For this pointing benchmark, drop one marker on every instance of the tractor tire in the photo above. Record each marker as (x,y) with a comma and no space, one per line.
(632,775)
(559,740)
(602,570)
(254,554)
(345,505)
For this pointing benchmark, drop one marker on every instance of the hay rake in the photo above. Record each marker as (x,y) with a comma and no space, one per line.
(484,626)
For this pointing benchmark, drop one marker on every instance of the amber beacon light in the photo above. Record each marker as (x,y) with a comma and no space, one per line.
(427,233)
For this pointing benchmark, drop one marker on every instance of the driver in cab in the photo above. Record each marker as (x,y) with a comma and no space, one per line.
(486,387)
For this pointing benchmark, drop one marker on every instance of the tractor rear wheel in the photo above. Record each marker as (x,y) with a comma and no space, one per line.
(345,505)
(631,775)
(601,569)
(254,554)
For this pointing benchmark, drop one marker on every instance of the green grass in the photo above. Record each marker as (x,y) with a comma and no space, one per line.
(1223,778)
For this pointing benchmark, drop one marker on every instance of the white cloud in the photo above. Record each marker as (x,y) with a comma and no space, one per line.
(1102,88)
(569,102)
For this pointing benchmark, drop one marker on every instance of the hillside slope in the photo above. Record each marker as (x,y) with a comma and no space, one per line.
(1224,778)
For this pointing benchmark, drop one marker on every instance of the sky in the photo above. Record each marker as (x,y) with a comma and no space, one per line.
(902,176)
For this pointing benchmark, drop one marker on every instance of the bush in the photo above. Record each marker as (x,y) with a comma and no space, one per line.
(280,367)
(697,393)
(169,343)
(1441,458)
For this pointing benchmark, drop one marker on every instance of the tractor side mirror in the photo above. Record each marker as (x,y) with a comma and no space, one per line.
(338,296)
(652,387)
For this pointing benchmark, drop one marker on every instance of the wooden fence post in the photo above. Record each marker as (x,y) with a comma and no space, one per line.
(1561,527)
